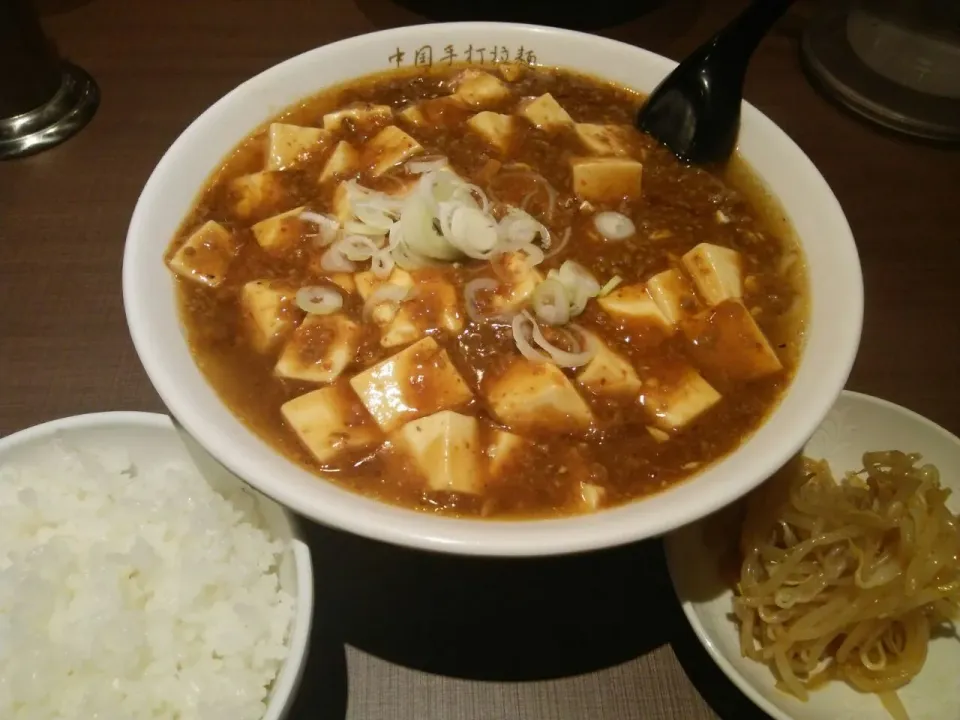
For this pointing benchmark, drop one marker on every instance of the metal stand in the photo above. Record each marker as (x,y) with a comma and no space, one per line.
(53,122)
(889,74)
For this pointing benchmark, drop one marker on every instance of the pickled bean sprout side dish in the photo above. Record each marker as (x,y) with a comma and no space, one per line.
(848,579)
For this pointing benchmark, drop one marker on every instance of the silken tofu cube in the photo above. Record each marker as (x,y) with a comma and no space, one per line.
(606,180)
(418,381)
(330,421)
(258,194)
(675,398)
(343,161)
(320,349)
(270,312)
(289,145)
(511,296)
(503,451)
(546,113)
(445,448)
(206,255)
(717,272)
(281,232)
(590,497)
(403,329)
(634,304)
(342,280)
(367,283)
(496,130)
(514,267)
(362,116)
(511,71)
(605,140)
(609,375)
(414,115)
(538,397)
(726,340)
(437,112)
(520,282)
(340,204)
(477,88)
(673,294)
(434,306)
(387,149)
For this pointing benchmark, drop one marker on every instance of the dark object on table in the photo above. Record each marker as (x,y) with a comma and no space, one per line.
(895,62)
(43,101)
(575,16)
(695,111)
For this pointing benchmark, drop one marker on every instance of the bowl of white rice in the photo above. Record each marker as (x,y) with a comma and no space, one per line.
(139,579)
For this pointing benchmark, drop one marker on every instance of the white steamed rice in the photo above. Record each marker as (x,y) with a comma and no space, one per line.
(132,593)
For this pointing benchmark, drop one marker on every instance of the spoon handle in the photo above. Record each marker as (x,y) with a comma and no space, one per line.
(695,110)
(740,38)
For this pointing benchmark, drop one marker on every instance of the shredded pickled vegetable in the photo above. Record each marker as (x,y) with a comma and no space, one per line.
(847,580)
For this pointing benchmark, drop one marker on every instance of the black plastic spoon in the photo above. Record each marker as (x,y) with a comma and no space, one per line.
(695,110)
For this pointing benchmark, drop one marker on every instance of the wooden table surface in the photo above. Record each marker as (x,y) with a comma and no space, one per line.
(402,635)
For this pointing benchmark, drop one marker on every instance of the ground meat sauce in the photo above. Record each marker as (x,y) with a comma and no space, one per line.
(680,207)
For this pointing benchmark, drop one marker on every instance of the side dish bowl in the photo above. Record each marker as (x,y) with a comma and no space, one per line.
(833,331)
(148,442)
(857,424)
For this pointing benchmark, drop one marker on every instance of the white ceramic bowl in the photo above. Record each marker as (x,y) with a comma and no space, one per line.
(857,424)
(151,438)
(148,288)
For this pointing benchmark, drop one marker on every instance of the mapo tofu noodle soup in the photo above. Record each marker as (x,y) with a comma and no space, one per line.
(481,292)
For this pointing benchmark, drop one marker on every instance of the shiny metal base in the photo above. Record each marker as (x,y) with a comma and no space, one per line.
(851,57)
(50,124)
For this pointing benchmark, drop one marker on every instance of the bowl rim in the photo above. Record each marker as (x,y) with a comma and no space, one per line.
(284,689)
(689,606)
(402,526)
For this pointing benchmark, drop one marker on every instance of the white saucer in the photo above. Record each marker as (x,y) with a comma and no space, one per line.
(856,424)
